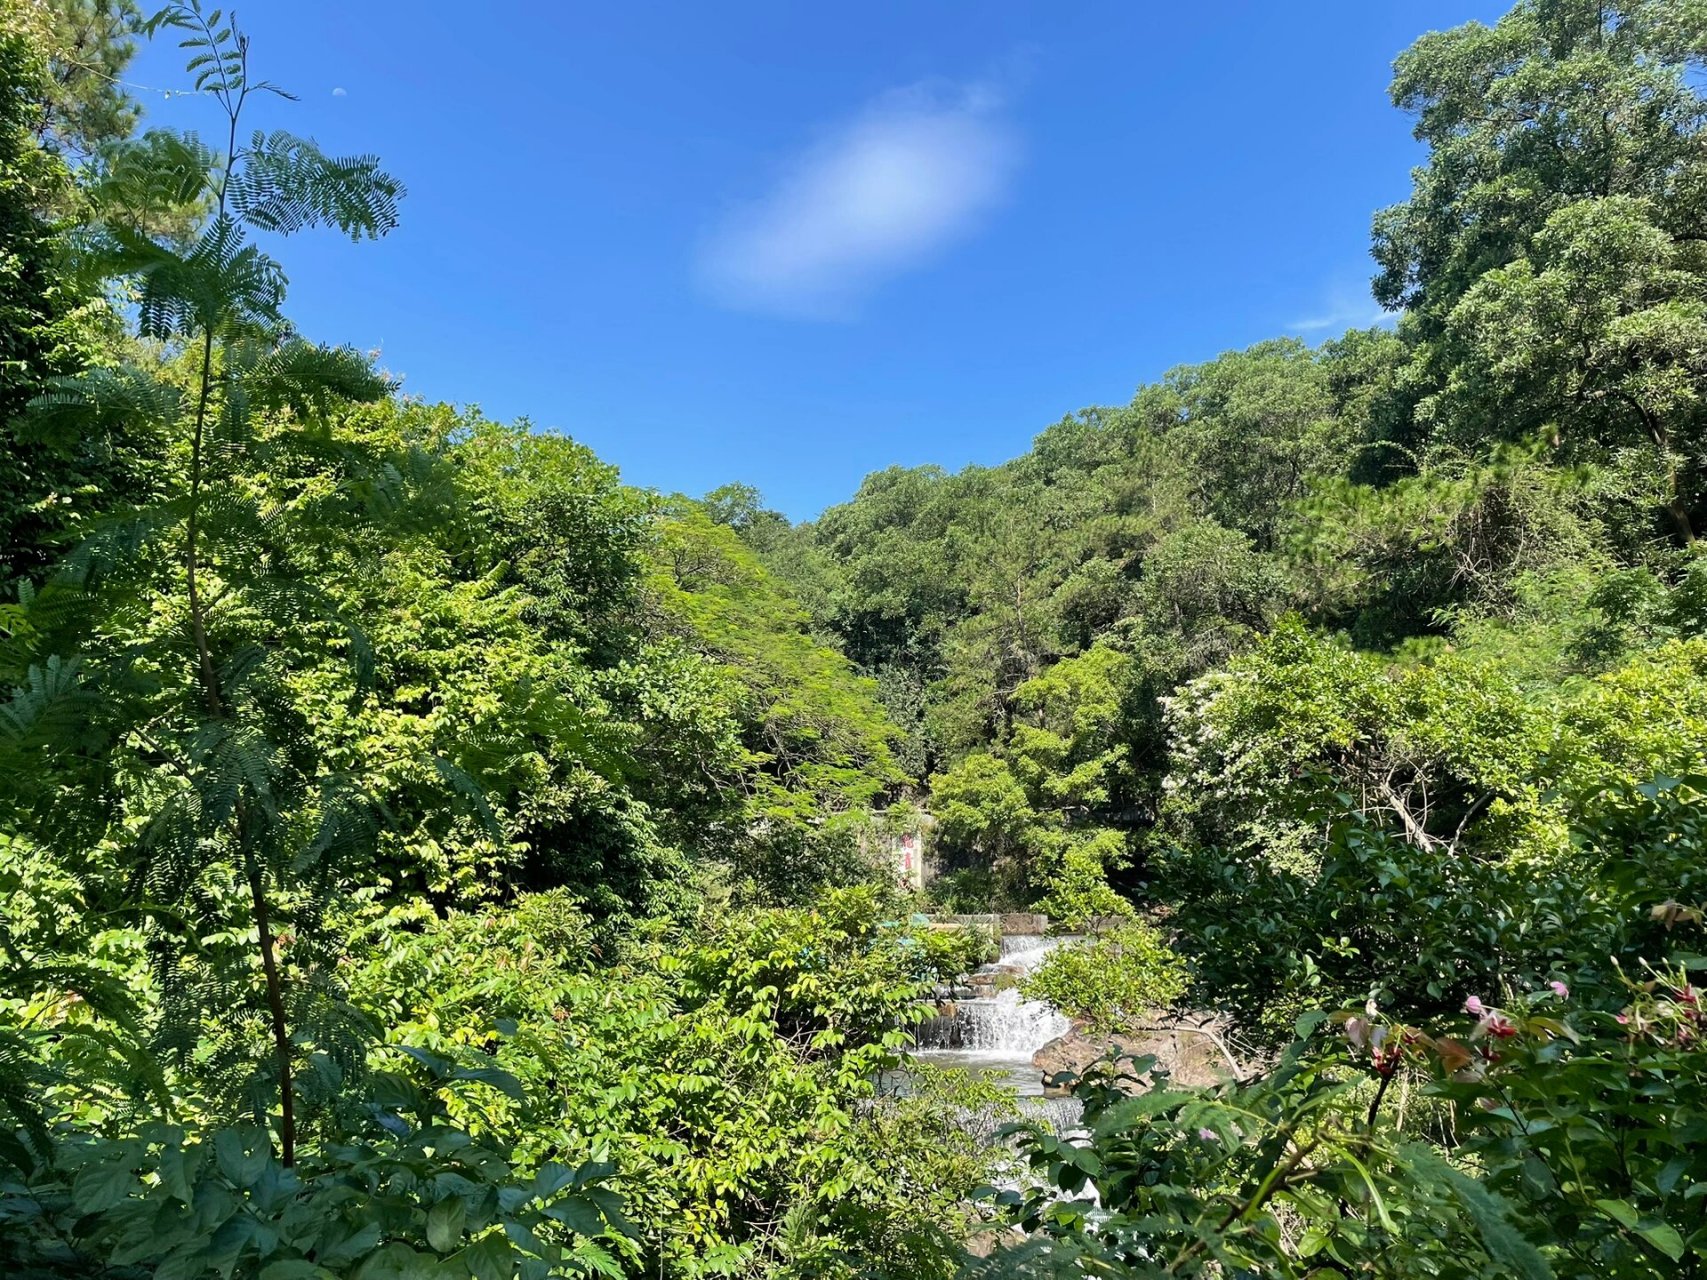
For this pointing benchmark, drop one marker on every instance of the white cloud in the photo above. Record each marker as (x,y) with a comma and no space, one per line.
(1345,307)
(908,176)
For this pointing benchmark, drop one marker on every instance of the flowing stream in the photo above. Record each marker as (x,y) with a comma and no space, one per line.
(995,1035)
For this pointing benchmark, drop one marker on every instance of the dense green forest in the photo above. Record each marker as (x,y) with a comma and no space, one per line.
(423,854)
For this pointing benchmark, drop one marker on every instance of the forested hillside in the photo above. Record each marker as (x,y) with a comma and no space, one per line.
(424,854)
(1447,566)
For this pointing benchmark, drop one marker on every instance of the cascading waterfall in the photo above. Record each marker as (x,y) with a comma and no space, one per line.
(1007,1025)
(996,1035)
(1025,949)
(1004,1025)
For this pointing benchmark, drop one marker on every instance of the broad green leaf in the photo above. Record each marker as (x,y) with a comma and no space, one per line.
(1664,1237)
(445,1222)
(99,1187)
(1620,1211)
(241,1155)
(294,1269)
(492,1257)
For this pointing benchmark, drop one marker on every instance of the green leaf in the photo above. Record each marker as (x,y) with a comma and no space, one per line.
(445,1222)
(101,1186)
(242,1156)
(175,1175)
(1664,1237)
(1492,1215)
(1620,1211)
(1307,1023)
(338,1253)
(578,1214)
(497,1077)
(551,1179)
(594,1171)
(293,1269)
(489,1258)
(397,1261)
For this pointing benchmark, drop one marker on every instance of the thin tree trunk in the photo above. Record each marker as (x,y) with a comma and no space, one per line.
(208,676)
(275,1006)
(1680,517)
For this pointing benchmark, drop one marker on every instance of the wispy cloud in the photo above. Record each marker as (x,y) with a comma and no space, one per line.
(1344,306)
(909,175)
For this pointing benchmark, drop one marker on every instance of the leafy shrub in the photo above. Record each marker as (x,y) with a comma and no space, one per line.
(946,952)
(730,1072)
(409,1193)
(1076,889)
(967,891)
(1419,928)
(1572,1147)
(1278,1177)
(1110,979)
(1592,1122)
(1562,1129)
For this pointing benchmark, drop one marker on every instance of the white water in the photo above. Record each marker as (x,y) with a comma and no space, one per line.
(1004,1028)
(1007,1025)
(995,1036)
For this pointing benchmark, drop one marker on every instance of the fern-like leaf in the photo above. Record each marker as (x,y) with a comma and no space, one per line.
(51,705)
(153,178)
(287,184)
(97,401)
(221,284)
(311,380)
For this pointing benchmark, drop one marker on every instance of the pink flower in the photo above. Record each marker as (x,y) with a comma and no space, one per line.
(1560,990)
(1623,1019)
(1207,1134)
(1475,1007)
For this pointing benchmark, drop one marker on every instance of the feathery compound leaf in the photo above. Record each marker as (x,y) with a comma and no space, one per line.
(287,183)
(472,793)
(95,401)
(312,380)
(221,285)
(158,174)
(21,1078)
(1491,1214)
(51,704)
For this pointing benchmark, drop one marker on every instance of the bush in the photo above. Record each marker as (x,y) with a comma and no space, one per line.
(1419,929)
(405,1191)
(1077,891)
(1571,1146)
(1109,980)
(946,952)
(967,891)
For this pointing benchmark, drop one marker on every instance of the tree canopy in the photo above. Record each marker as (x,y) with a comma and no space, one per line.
(423,853)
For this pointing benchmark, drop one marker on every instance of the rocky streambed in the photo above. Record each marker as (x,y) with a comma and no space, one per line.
(985,1026)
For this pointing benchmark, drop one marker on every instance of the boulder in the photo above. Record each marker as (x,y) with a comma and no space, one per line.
(1185,1046)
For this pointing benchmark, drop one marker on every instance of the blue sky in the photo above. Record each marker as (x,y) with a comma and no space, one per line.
(791,244)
